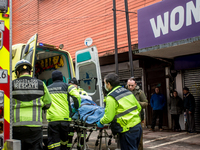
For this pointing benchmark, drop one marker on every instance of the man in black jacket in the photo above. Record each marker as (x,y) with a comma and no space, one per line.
(189,109)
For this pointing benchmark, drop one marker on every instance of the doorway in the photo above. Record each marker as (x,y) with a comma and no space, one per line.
(156,78)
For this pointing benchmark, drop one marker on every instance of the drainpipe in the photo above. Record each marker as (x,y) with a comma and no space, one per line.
(129,38)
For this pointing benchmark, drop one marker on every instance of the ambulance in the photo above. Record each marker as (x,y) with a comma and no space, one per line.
(46,58)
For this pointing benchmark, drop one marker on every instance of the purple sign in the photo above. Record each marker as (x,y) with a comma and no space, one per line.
(168,21)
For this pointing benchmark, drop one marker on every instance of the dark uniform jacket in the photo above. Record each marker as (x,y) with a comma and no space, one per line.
(29,97)
(189,102)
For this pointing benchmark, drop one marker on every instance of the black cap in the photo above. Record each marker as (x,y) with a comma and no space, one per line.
(185,88)
(73,81)
(57,75)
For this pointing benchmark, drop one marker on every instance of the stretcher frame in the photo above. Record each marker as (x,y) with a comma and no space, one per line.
(82,128)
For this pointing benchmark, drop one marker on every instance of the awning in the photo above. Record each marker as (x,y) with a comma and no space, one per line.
(172,49)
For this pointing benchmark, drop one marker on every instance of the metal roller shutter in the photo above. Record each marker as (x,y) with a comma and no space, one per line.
(192,81)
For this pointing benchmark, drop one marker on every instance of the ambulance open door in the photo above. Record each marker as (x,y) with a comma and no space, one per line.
(88,73)
(30,50)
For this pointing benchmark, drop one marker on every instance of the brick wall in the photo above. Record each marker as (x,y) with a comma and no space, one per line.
(70,22)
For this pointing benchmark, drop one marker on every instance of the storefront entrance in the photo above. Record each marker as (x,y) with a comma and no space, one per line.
(156,78)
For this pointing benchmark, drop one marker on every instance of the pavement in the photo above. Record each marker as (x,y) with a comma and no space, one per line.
(155,140)
(168,140)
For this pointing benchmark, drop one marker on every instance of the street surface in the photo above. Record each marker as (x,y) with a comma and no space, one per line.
(168,140)
(165,140)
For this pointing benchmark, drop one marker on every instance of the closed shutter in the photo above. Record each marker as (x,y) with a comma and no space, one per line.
(192,81)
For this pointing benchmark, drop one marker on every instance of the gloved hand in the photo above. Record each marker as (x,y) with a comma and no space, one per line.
(74,110)
(99,125)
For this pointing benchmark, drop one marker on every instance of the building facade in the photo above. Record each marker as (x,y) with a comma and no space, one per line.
(169,30)
(70,22)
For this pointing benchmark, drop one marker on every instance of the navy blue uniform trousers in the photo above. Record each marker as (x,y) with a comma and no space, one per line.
(130,140)
(31,137)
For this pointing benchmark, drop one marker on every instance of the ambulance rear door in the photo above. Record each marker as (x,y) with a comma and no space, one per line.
(30,50)
(88,73)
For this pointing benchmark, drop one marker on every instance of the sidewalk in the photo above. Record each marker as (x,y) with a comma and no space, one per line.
(165,140)
(170,140)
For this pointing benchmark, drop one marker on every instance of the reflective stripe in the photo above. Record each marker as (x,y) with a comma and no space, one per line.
(35,120)
(56,92)
(27,123)
(54,145)
(26,92)
(39,108)
(126,112)
(63,143)
(34,110)
(69,145)
(18,111)
(123,95)
(71,87)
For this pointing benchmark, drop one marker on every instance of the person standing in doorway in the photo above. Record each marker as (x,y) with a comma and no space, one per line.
(141,98)
(175,107)
(158,102)
(189,109)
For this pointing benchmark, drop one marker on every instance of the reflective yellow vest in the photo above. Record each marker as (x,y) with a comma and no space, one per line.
(128,110)
(29,97)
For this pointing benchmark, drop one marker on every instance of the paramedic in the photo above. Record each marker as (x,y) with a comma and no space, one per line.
(123,111)
(29,97)
(59,114)
(83,95)
(74,82)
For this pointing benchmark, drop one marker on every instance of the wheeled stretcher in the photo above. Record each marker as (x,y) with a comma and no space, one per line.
(82,128)
(85,122)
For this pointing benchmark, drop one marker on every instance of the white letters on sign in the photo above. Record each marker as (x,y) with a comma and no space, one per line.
(163,24)
(180,11)
(160,25)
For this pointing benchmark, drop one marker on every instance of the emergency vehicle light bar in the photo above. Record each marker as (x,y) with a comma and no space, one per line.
(46,45)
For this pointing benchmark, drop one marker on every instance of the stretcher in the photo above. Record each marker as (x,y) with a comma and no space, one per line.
(82,128)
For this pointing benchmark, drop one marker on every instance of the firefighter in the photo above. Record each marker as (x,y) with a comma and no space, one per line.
(74,82)
(122,110)
(59,114)
(29,97)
